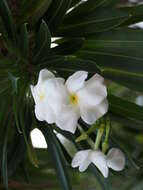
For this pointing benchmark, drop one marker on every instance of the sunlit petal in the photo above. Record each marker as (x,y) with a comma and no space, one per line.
(99,160)
(90,114)
(76,81)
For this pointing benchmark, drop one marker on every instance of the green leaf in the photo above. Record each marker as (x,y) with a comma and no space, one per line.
(7,19)
(14,82)
(118,53)
(98,21)
(67,46)
(30,150)
(17,150)
(4,156)
(32,11)
(131,80)
(136,13)
(125,108)
(74,2)
(24,41)
(120,49)
(82,9)
(71,64)
(57,157)
(43,43)
(56,14)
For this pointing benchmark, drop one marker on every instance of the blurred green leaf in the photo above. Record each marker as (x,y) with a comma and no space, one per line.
(57,157)
(71,64)
(24,41)
(43,42)
(83,9)
(89,24)
(67,46)
(120,49)
(4,171)
(56,13)
(135,12)
(7,19)
(119,55)
(129,79)
(14,82)
(74,2)
(125,108)
(33,10)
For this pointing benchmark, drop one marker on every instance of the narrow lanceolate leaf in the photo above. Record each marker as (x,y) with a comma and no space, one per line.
(14,82)
(70,64)
(43,42)
(67,46)
(97,21)
(74,2)
(4,169)
(24,121)
(33,10)
(120,49)
(57,157)
(125,108)
(83,9)
(129,79)
(24,42)
(119,55)
(57,12)
(7,19)
(136,13)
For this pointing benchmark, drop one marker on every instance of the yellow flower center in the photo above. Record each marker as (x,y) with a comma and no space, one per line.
(74,99)
(41,96)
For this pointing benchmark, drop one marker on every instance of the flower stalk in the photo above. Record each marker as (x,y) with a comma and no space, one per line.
(105,144)
(99,136)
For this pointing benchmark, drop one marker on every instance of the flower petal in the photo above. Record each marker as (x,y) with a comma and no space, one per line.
(44,75)
(84,165)
(95,79)
(76,81)
(116,159)
(90,114)
(99,160)
(44,113)
(81,159)
(94,92)
(67,118)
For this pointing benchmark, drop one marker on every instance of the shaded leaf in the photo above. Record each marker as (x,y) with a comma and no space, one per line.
(98,21)
(136,13)
(24,41)
(33,10)
(43,42)
(14,82)
(8,22)
(67,46)
(56,14)
(125,108)
(57,157)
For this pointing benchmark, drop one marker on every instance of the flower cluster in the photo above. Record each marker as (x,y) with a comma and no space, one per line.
(63,103)
(114,159)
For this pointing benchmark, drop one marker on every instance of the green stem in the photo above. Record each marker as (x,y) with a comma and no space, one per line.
(105,143)
(99,136)
(85,135)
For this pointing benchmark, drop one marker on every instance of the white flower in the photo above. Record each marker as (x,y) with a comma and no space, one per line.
(64,103)
(114,159)
(46,96)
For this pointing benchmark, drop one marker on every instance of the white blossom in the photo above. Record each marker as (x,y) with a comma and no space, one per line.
(114,159)
(64,103)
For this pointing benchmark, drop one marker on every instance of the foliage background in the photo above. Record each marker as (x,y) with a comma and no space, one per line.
(94,36)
